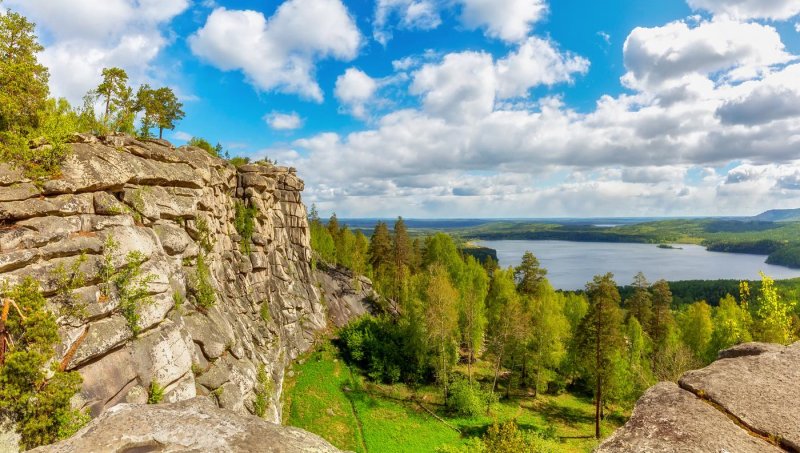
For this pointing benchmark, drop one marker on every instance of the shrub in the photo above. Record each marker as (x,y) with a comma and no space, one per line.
(204,289)
(205,145)
(155,393)
(38,404)
(466,399)
(132,288)
(245,224)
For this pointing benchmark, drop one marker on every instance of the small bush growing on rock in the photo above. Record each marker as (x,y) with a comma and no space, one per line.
(245,224)
(266,316)
(66,282)
(205,295)
(155,393)
(33,397)
(131,287)
(206,146)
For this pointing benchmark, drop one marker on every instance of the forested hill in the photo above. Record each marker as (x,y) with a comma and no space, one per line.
(779,215)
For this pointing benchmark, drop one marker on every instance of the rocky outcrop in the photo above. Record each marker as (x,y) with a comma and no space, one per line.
(194,425)
(173,205)
(746,401)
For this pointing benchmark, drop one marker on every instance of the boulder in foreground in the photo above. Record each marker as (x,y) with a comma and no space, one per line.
(195,425)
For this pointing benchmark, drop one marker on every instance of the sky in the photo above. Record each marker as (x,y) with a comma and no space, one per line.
(469,108)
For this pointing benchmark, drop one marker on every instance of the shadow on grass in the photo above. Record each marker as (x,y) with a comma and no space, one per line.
(569,416)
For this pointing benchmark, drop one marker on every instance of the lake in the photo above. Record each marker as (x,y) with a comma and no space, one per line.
(571,264)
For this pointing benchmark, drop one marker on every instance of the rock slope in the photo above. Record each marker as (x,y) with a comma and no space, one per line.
(746,401)
(173,205)
(194,425)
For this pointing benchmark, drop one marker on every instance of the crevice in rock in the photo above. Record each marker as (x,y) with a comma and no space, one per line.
(122,389)
(757,433)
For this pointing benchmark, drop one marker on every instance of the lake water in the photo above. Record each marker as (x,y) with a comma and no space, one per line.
(571,264)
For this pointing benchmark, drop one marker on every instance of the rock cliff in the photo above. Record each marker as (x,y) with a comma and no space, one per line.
(746,401)
(174,205)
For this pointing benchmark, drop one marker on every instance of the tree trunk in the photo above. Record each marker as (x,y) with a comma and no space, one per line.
(494,382)
(597,409)
(536,381)
(510,376)
(160,133)
(108,109)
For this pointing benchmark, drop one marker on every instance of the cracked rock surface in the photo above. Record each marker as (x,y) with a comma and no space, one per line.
(194,425)
(746,401)
(173,204)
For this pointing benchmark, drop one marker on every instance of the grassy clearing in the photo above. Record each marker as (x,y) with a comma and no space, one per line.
(368,417)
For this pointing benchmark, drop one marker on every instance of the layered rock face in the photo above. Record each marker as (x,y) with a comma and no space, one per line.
(746,401)
(173,205)
(194,425)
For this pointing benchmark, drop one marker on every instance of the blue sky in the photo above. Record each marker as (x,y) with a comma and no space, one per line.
(470,108)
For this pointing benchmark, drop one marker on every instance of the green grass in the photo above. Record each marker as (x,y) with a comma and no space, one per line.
(369,417)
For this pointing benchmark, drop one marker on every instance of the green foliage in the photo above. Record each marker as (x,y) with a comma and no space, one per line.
(36,399)
(66,281)
(381,348)
(245,224)
(731,323)
(773,320)
(264,311)
(161,109)
(206,146)
(22,78)
(697,328)
(262,391)
(508,438)
(127,282)
(467,400)
(205,295)
(238,161)
(155,393)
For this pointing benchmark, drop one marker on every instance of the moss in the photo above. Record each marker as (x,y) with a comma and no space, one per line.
(266,316)
(262,391)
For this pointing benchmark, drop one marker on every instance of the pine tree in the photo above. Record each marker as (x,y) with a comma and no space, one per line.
(662,319)
(640,304)
(599,339)
(529,275)
(23,80)
(380,248)
(113,87)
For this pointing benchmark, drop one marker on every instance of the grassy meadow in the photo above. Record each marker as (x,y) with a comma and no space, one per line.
(328,398)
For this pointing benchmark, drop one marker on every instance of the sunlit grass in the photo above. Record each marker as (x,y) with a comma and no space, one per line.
(326,398)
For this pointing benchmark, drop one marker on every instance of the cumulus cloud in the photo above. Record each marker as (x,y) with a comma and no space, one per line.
(664,148)
(355,89)
(536,62)
(465,86)
(411,14)
(678,57)
(279,53)
(84,36)
(509,20)
(284,121)
(749,9)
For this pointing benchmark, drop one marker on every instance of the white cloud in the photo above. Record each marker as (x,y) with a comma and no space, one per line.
(412,14)
(536,62)
(749,9)
(663,149)
(465,86)
(509,20)
(284,121)
(279,53)
(355,89)
(678,57)
(182,136)
(88,35)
